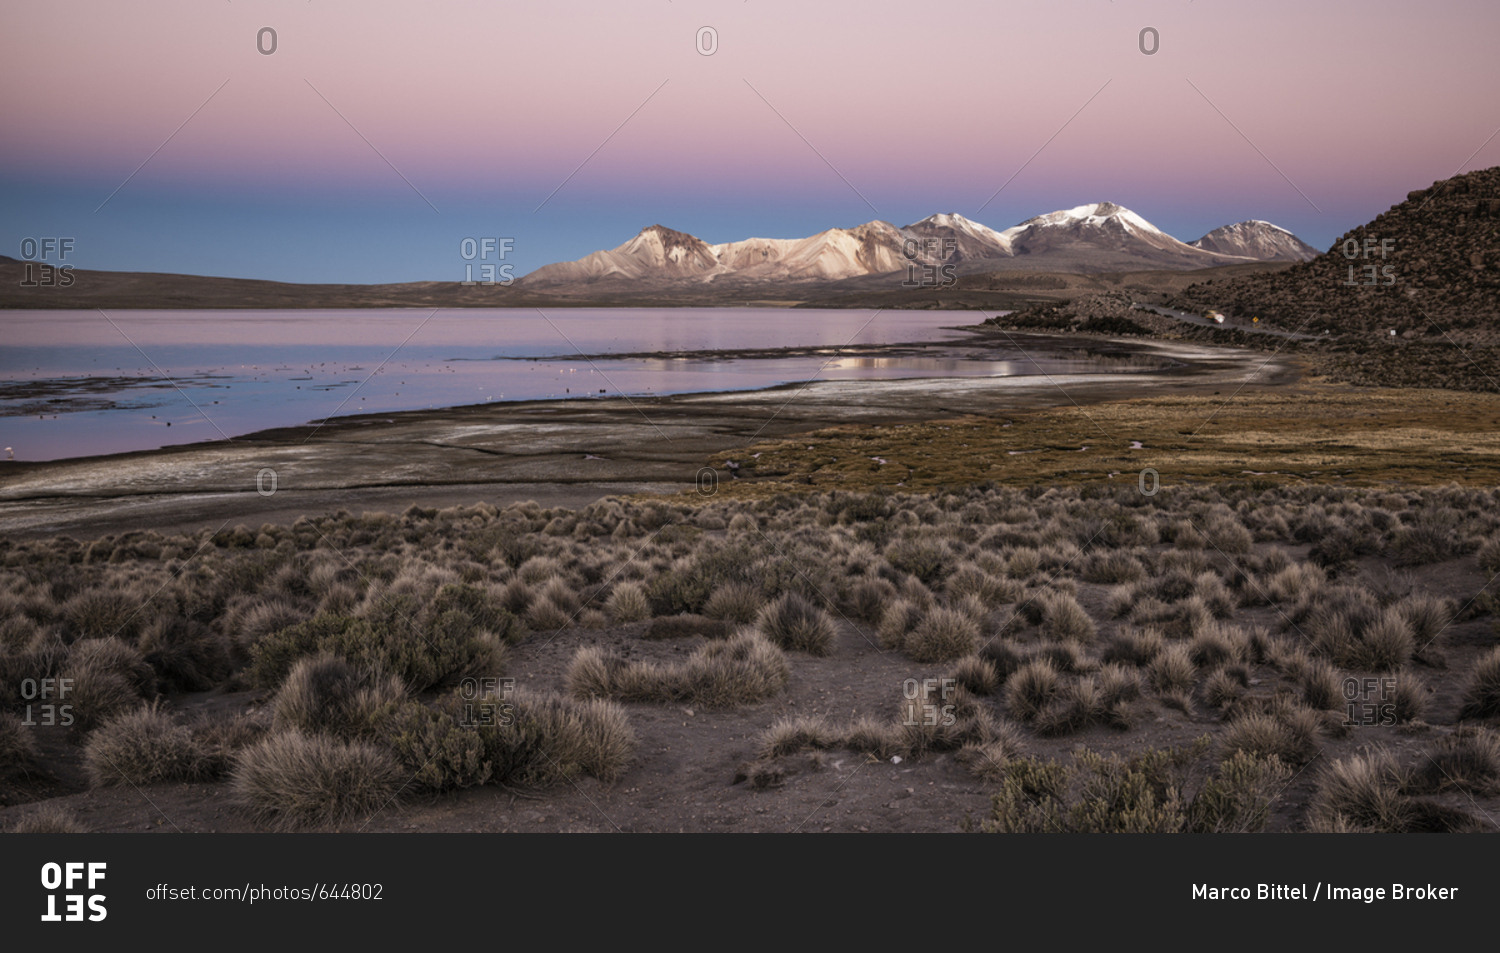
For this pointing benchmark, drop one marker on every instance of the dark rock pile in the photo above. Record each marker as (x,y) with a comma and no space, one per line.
(1426,268)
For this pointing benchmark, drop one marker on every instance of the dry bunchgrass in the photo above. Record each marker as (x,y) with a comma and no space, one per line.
(18,750)
(544,615)
(742,669)
(257,617)
(868,599)
(106,676)
(1172,670)
(1466,760)
(1218,645)
(1078,704)
(1481,697)
(992,591)
(734,602)
(1322,685)
(294,780)
(988,759)
(1215,595)
(1114,567)
(224,734)
(1030,689)
(1388,643)
(1223,688)
(554,738)
(1064,618)
(794,623)
(1136,647)
(1363,792)
(897,621)
(976,675)
(1488,555)
(145,746)
(1427,615)
(942,717)
(1408,697)
(627,602)
(871,736)
(325,693)
(942,634)
(1289,732)
(1294,583)
(797,733)
(50,819)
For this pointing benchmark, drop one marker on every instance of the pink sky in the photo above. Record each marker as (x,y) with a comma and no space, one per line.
(1355,102)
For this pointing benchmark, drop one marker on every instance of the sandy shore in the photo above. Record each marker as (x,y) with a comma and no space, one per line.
(562,452)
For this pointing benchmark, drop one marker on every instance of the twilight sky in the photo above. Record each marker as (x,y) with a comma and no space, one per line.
(380,134)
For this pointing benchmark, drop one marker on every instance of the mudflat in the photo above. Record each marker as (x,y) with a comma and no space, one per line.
(564,452)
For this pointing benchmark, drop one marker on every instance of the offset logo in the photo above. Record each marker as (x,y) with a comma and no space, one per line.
(39,272)
(489,254)
(66,900)
(45,703)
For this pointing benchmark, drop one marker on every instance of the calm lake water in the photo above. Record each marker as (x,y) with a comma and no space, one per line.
(83,383)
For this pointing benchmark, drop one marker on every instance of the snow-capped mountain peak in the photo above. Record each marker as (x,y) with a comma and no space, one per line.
(1257,239)
(1093,214)
(963,238)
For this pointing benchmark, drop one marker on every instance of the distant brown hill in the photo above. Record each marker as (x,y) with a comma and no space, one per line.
(1427,267)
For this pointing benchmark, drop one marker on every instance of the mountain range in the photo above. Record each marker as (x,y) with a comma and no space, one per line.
(1098,237)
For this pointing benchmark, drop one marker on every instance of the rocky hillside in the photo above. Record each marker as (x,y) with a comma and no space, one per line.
(1426,268)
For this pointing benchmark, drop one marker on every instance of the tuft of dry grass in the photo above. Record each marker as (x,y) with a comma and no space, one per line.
(1408,697)
(989,759)
(50,818)
(1361,792)
(18,750)
(294,780)
(1223,689)
(555,738)
(871,736)
(1290,733)
(1322,685)
(976,675)
(627,602)
(739,670)
(1466,760)
(1063,618)
(942,634)
(1136,647)
(544,615)
(1077,705)
(793,623)
(144,746)
(1031,689)
(107,676)
(797,733)
(1482,689)
(1172,670)
(734,602)
(1218,645)
(325,693)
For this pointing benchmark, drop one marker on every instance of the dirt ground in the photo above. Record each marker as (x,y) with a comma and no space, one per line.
(685,774)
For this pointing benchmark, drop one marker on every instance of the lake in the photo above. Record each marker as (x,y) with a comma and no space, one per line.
(78,383)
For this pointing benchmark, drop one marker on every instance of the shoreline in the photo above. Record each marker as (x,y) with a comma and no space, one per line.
(591,446)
